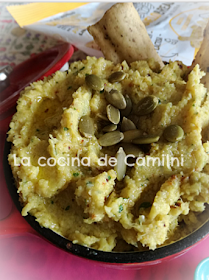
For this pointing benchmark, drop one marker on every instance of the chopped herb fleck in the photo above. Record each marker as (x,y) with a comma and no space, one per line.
(74,108)
(89,184)
(86,74)
(67,208)
(120,208)
(37,130)
(145,204)
(66,128)
(76,174)
(69,87)
(101,91)
(193,105)
(159,101)
(52,202)
(108,178)
(56,82)
(76,72)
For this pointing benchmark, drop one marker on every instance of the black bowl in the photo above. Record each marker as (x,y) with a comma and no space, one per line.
(137,258)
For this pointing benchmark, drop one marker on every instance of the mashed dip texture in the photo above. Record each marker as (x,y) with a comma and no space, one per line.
(152,205)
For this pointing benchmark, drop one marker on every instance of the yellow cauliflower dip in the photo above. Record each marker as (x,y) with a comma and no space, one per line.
(62,168)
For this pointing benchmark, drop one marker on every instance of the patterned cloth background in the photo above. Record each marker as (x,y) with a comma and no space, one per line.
(18,44)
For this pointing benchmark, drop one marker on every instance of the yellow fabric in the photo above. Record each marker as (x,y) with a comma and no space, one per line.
(33,12)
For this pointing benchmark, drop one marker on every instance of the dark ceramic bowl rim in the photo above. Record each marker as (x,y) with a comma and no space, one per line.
(92,254)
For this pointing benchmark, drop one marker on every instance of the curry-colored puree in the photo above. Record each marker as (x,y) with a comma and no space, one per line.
(152,205)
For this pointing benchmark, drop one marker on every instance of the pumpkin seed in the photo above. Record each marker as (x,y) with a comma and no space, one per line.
(116,98)
(116,77)
(86,126)
(146,105)
(94,82)
(110,138)
(120,167)
(130,135)
(173,133)
(127,124)
(113,114)
(126,112)
(131,149)
(110,127)
(134,119)
(102,117)
(146,139)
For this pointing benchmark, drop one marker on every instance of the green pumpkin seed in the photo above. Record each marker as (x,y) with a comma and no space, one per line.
(173,133)
(110,127)
(116,98)
(102,117)
(116,77)
(134,119)
(86,126)
(113,114)
(120,167)
(110,138)
(126,112)
(146,139)
(130,135)
(146,105)
(127,125)
(131,149)
(94,82)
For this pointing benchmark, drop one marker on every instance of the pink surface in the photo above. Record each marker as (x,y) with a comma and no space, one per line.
(26,256)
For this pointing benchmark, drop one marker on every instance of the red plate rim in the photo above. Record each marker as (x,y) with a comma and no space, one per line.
(62,53)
